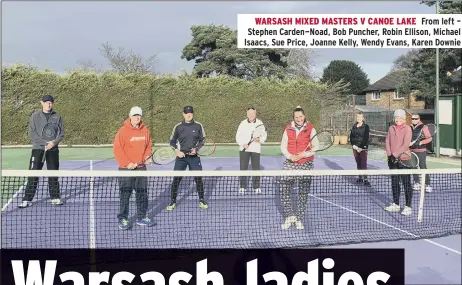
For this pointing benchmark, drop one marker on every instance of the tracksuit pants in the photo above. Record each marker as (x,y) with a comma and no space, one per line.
(181,164)
(126,187)
(244,159)
(395,184)
(35,163)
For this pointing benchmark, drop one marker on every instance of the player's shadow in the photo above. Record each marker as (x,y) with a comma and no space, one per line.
(186,190)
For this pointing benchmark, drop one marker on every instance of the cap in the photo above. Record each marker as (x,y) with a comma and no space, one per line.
(188,109)
(399,113)
(47,98)
(136,111)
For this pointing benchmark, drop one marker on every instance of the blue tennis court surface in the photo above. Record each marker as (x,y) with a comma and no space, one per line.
(250,220)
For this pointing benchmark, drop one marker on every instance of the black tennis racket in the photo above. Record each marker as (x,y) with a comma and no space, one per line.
(321,141)
(432,130)
(258,132)
(408,159)
(50,132)
(207,149)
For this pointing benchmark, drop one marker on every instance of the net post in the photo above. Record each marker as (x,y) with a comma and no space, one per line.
(92,222)
(421,200)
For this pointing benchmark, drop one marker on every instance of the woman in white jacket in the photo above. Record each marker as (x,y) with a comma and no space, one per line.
(249,152)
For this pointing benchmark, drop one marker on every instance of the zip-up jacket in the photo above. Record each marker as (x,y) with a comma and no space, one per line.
(186,136)
(359,136)
(296,140)
(415,134)
(397,140)
(37,122)
(244,134)
(132,144)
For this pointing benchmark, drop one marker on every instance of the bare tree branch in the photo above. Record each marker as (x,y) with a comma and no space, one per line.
(125,62)
(89,65)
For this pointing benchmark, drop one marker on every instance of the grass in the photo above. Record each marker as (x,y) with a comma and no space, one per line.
(18,158)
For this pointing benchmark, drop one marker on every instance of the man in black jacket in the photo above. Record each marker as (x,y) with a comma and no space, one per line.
(359,139)
(37,122)
(187,138)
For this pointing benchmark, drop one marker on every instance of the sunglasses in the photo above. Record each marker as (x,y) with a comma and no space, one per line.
(415,118)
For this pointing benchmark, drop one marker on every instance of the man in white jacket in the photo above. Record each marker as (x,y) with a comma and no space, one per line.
(249,152)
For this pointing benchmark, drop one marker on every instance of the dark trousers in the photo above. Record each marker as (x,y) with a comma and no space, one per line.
(422,165)
(361,161)
(126,187)
(244,159)
(395,184)
(194,164)
(35,163)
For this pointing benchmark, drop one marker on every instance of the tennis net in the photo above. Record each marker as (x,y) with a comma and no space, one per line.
(339,210)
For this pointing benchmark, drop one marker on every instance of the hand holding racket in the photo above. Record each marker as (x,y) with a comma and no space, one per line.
(50,132)
(257,133)
(408,159)
(168,154)
(319,142)
(208,148)
(432,131)
(148,160)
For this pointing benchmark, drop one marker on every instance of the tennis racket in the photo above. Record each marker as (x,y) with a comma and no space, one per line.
(258,132)
(408,159)
(207,149)
(50,132)
(421,137)
(323,139)
(161,156)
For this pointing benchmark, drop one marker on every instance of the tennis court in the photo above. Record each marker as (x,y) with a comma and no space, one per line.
(340,213)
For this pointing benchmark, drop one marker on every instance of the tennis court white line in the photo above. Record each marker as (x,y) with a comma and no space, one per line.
(388,225)
(14,196)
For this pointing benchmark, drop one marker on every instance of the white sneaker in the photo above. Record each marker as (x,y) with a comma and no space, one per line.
(299,225)
(25,204)
(288,222)
(241,190)
(416,186)
(393,208)
(258,190)
(56,202)
(407,211)
(428,188)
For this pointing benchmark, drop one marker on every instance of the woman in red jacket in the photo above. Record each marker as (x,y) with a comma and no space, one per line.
(296,145)
(397,141)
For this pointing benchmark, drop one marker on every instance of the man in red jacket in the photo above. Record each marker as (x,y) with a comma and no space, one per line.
(296,145)
(133,145)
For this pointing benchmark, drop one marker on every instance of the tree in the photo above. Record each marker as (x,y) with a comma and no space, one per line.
(214,50)
(420,78)
(124,62)
(300,63)
(350,72)
(404,61)
(88,65)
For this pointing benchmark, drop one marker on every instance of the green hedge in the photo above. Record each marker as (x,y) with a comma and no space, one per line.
(94,106)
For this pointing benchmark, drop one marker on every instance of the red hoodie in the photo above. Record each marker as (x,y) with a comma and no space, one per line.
(132,144)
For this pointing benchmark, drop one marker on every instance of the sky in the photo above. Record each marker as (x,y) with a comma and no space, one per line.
(56,35)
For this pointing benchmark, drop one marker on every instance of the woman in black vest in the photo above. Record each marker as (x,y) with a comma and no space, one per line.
(359,139)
